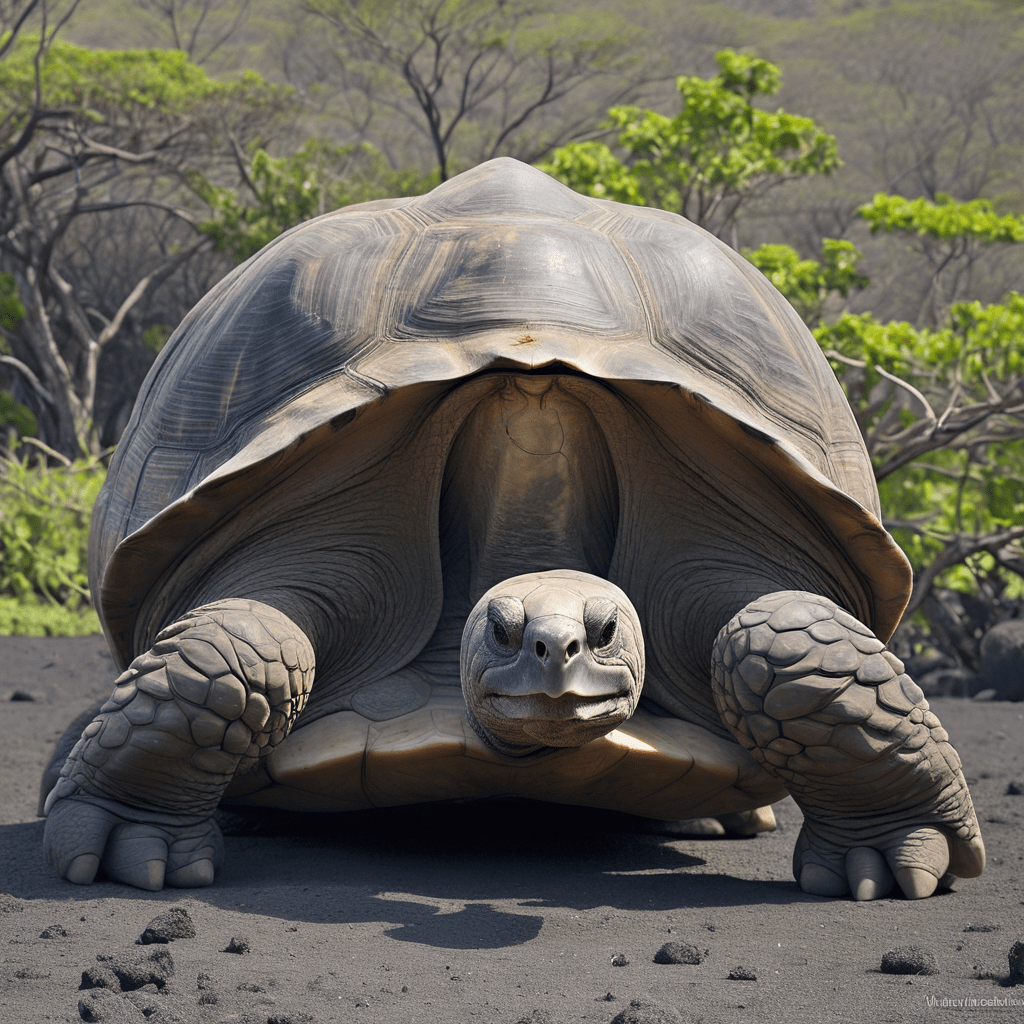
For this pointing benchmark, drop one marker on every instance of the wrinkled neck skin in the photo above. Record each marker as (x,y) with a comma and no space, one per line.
(529,487)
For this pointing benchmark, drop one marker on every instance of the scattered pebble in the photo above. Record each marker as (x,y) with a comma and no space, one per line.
(680,953)
(647,1011)
(909,960)
(1017,963)
(743,974)
(54,931)
(125,973)
(1015,789)
(174,923)
(619,960)
(237,945)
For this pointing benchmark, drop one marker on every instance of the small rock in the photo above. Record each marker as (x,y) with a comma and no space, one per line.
(109,1007)
(203,981)
(1015,789)
(1017,963)
(250,986)
(680,953)
(22,695)
(619,960)
(127,973)
(237,945)
(647,1011)
(54,931)
(291,1018)
(982,928)
(985,695)
(208,998)
(743,974)
(909,960)
(536,1017)
(174,923)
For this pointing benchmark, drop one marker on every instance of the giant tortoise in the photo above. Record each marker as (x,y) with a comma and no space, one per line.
(502,491)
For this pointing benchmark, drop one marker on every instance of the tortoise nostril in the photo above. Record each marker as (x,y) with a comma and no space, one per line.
(572,650)
(542,651)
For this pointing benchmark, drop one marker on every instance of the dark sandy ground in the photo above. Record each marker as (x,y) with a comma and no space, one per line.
(494,913)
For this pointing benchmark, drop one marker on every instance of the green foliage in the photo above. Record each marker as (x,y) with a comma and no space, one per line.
(16,416)
(289,190)
(945,218)
(808,284)
(717,152)
(951,474)
(11,309)
(22,618)
(103,85)
(977,342)
(44,528)
(155,337)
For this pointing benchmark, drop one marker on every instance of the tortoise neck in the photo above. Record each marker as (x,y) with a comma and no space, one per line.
(529,486)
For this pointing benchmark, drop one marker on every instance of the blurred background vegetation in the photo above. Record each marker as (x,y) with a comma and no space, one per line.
(864,154)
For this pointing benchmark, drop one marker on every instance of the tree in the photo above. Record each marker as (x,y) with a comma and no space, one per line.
(199,28)
(279,193)
(942,414)
(718,153)
(471,75)
(84,135)
(809,284)
(948,235)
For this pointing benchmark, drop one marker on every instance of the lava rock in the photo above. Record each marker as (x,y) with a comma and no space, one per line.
(1002,654)
(174,923)
(109,1007)
(620,960)
(54,931)
(22,695)
(1017,963)
(680,953)
(647,1011)
(237,945)
(1015,789)
(743,974)
(909,960)
(126,973)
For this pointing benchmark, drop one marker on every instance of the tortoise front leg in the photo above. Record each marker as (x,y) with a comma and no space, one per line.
(816,698)
(218,691)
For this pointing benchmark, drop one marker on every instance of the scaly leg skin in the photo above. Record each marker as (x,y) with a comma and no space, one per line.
(218,691)
(815,697)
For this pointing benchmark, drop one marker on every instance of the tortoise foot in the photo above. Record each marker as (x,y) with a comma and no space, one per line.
(136,795)
(84,835)
(816,698)
(738,824)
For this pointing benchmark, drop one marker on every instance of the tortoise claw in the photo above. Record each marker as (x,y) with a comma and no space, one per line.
(820,703)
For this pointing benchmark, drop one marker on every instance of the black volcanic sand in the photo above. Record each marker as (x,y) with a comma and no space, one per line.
(501,912)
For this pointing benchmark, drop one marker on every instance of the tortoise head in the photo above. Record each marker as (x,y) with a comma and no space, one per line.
(551,659)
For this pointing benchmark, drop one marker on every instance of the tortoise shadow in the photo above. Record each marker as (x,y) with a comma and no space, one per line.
(476,875)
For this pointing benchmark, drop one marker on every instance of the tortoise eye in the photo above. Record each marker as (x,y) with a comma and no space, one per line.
(608,633)
(601,618)
(507,618)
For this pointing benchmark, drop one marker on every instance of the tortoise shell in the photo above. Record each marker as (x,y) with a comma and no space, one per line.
(350,330)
